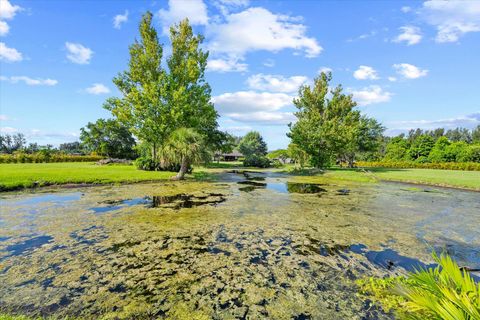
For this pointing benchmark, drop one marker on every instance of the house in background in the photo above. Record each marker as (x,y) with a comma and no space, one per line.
(232,156)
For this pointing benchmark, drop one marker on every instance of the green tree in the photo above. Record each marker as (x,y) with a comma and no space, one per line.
(252,144)
(299,156)
(397,149)
(476,134)
(438,152)
(144,108)
(421,147)
(362,135)
(327,127)
(157,101)
(108,138)
(185,146)
(12,143)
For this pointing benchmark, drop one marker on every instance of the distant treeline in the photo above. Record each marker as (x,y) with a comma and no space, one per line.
(430,146)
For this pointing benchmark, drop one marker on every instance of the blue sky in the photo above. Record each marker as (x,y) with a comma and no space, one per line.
(409,64)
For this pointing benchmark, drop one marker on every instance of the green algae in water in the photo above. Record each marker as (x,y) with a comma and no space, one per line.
(265,254)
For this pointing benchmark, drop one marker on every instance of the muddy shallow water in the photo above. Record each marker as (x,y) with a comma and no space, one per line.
(250,245)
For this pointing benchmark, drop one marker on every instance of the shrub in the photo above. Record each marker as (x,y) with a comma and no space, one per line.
(444,292)
(466,166)
(256,161)
(39,157)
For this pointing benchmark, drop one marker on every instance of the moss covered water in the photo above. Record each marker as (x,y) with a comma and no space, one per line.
(250,245)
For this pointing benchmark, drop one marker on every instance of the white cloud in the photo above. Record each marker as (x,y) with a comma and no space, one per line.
(363,36)
(250,101)
(30,81)
(98,88)
(409,71)
(410,34)
(194,10)
(365,73)
(4,28)
(9,54)
(226,65)
(237,130)
(264,117)
(453,19)
(77,53)
(226,6)
(119,19)
(254,107)
(392,79)
(275,83)
(8,130)
(325,70)
(3,117)
(269,63)
(7,10)
(406,9)
(465,121)
(370,95)
(257,28)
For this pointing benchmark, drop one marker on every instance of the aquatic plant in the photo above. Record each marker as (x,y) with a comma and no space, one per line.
(443,292)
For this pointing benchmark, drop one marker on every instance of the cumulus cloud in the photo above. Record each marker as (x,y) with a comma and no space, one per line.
(264,117)
(452,19)
(98,88)
(254,107)
(226,6)
(250,101)
(370,95)
(256,29)
(275,83)
(410,35)
(194,10)
(119,19)
(410,71)
(226,65)
(77,53)
(325,70)
(4,28)
(30,81)
(466,121)
(392,79)
(7,12)
(9,54)
(365,73)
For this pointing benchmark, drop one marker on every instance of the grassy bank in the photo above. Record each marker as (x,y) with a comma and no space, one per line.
(446,178)
(26,175)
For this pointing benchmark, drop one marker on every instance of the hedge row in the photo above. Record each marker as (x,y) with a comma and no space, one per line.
(466,166)
(39,158)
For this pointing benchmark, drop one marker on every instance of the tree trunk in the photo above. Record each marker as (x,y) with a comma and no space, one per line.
(351,160)
(183,169)
(154,155)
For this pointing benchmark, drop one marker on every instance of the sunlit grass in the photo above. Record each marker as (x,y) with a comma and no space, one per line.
(25,175)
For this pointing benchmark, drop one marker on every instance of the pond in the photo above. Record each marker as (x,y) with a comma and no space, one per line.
(249,245)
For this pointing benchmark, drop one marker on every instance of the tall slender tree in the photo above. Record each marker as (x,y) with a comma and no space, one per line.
(144,107)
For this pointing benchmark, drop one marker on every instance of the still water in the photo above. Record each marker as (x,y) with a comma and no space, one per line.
(249,245)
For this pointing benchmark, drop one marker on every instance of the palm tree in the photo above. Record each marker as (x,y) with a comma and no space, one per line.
(185,146)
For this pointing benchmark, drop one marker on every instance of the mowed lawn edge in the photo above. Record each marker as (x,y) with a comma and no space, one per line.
(435,177)
(14,176)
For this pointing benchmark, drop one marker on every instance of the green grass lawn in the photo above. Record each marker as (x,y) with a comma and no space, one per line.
(447,178)
(25,175)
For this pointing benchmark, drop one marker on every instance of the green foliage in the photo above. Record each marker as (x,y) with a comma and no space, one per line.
(421,147)
(444,292)
(11,143)
(330,128)
(438,152)
(299,156)
(157,101)
(45,157)
(108,138)
(396,149)
(256,160)
(252,144)
(466,166)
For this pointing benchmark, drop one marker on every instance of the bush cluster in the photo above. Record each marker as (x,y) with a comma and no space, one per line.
(255,160)
(41,157)
(466,166)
